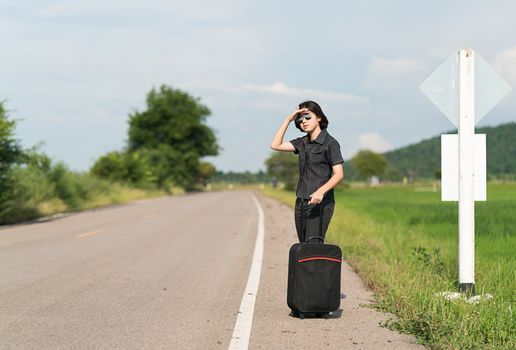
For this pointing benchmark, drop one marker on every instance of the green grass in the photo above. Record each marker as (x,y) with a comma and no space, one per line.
(404,245)
(34,194)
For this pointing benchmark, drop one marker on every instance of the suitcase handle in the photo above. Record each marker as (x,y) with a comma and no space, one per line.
(303,221)
(321,208)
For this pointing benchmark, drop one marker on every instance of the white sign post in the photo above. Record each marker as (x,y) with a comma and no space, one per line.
(466,201)
(465,88)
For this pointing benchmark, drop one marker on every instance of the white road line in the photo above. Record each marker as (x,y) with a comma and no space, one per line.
(244,322)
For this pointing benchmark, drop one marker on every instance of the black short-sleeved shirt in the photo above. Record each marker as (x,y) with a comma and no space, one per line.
(316,159)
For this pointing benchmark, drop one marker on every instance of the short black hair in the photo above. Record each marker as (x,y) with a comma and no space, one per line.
(316,109)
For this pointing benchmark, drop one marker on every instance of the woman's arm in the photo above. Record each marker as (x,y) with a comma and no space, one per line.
(338,175)
(277,143)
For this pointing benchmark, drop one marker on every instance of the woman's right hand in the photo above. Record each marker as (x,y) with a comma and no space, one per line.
(294,114)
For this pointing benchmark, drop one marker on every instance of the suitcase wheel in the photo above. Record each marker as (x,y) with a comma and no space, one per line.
(302,315)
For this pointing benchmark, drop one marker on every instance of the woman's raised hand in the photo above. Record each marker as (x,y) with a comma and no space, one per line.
(294,114)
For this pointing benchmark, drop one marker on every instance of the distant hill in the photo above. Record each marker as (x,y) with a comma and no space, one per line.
(424,158)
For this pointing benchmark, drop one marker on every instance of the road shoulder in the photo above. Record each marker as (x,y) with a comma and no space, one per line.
(354,326)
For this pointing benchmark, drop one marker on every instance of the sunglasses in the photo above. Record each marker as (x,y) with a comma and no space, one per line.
(303,116)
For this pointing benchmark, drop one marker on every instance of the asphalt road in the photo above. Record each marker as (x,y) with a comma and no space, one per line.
(166,273)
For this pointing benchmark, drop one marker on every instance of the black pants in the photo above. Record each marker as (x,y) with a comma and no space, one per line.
(309,226)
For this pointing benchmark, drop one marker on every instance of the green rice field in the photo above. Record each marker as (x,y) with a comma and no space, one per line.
(403,243)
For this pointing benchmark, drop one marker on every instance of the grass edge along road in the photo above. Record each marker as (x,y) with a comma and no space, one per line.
(407,255)
(113,194)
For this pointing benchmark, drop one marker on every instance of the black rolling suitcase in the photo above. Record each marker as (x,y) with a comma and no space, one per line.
(314,277)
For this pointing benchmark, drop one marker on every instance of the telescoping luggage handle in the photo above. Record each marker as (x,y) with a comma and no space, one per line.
(320,237)
(321,207)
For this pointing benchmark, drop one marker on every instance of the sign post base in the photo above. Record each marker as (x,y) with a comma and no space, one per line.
(467,288)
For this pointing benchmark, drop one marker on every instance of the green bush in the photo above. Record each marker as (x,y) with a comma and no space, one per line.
(132,168)
(66,185)
(10,152)
(30,187)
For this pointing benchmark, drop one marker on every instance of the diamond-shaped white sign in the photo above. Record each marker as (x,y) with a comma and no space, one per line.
(442,88)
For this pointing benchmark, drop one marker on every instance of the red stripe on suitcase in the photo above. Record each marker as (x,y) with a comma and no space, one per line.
(318,258)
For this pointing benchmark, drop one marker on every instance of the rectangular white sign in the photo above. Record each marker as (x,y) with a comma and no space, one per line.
(450,168)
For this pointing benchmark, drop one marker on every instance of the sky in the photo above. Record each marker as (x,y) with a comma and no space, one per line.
(71,72)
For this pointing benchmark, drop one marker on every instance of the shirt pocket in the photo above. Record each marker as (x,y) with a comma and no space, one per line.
(318,155)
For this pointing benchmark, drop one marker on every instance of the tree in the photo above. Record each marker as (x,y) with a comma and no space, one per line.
(241,177)
(392,174)
(10,154)
(369,163)
(110,166)
(173,135)
(285,167)
(124,167)
(206,170)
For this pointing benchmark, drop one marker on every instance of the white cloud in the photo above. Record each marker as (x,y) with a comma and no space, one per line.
(374,142)
(282,89)
(135,13)
(505,65)
(62,9)
(389,74)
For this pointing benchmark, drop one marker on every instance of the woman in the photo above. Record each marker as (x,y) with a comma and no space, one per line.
(320,168)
